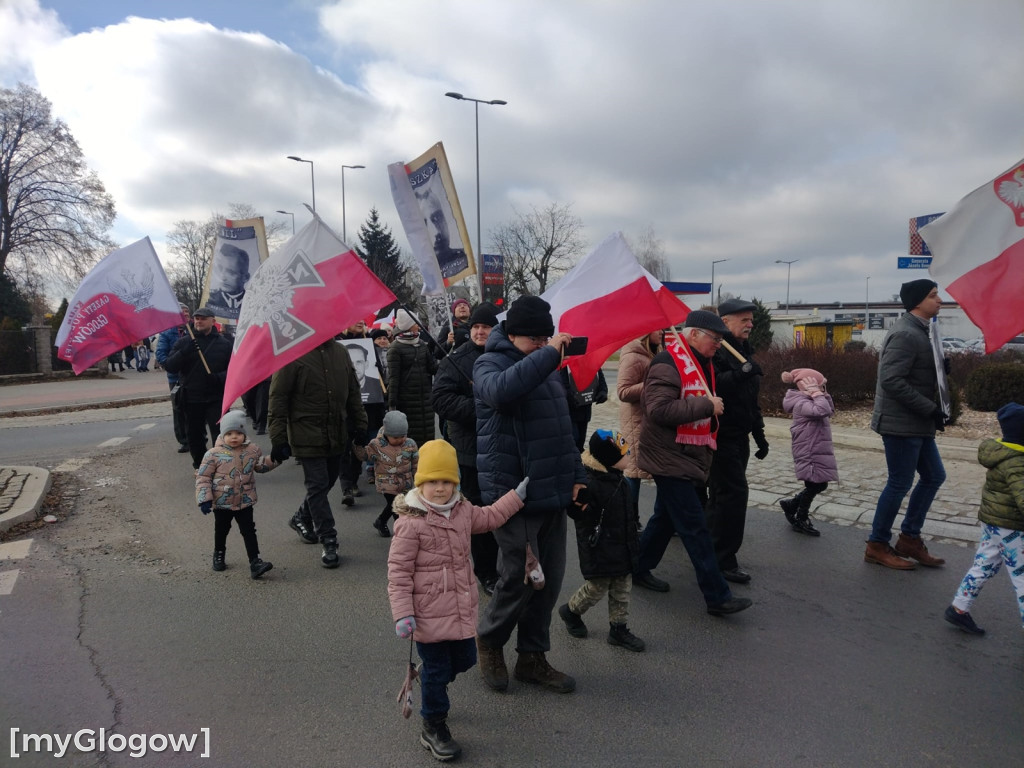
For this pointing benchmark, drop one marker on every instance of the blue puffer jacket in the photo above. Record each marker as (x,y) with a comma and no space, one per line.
(523,426)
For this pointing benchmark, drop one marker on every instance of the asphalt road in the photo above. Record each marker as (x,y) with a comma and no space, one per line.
(116,621)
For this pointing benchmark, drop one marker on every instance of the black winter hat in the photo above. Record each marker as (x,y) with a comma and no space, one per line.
(1011,421)
(916,291)
(607,447)
(485,314)
(529,316)
(735,306)
(709,321)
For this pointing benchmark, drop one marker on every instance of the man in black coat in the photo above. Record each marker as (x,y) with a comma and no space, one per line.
(452,400)
(201,360)
(738,384)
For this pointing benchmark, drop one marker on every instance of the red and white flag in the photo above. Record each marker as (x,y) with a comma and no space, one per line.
(611,299)
(978,255)
(123,298)
(308,291)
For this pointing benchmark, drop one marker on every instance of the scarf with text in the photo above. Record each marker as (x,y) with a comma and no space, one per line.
(693,384)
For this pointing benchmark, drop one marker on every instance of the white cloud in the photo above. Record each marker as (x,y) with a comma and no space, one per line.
(745,130)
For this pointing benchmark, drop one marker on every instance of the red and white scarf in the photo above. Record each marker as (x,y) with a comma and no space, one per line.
(693,384)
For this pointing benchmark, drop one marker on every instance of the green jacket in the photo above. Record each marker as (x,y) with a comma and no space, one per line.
(1002,498)
(315,403)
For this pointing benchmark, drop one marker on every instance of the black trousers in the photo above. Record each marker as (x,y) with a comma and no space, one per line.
(727,499)
(319,475)
(222,525)
(200,417)
(257,402)
(178,419)
(483,546)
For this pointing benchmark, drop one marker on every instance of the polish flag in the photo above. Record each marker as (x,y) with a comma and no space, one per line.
(611,299)
(125,297)
(978,256)
(308,291)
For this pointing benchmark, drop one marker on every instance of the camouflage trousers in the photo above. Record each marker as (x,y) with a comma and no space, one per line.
(593,590)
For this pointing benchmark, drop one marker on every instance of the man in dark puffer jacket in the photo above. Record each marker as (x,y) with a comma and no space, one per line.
(524,430)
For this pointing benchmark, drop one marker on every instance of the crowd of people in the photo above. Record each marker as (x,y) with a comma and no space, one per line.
(488,504)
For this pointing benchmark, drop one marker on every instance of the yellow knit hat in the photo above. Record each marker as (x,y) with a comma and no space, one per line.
(437,462)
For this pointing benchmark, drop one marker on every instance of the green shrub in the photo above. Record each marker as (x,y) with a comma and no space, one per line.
(851,375)
(992,385)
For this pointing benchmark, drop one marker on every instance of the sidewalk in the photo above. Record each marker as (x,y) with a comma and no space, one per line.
(851,501)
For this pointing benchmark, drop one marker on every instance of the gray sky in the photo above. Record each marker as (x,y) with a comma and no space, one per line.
(749,130)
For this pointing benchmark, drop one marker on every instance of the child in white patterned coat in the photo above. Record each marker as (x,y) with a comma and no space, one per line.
(393,456)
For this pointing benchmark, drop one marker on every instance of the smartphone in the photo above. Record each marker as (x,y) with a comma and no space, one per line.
(578,346)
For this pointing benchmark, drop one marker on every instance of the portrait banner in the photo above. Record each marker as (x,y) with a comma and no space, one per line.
(240,248)
(428,206)
(364,363)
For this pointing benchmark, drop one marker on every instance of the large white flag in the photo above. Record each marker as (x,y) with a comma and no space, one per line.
(123,298)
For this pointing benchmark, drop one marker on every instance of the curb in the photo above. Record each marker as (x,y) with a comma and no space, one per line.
(70,407)
(30,498)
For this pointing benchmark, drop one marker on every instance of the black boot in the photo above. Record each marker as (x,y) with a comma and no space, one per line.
(305,532)
(789,508)
(802,524)
(218,560)
(573,621)
(329,557)
(436,737)
(619,634)
(258,567)
(381,524)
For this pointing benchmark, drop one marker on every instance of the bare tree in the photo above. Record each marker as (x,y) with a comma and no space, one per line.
(54,211)
(538,247)
(650,252)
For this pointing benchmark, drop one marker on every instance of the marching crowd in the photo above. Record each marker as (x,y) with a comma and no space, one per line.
(489,502)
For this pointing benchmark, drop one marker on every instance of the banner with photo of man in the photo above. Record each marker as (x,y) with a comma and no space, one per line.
(240,248)
(364,363)
(428,206)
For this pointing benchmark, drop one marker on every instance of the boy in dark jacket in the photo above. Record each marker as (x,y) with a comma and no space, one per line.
(607,536)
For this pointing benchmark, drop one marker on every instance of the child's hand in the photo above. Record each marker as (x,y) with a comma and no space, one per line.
(405,627)
(521,489)
(206,507)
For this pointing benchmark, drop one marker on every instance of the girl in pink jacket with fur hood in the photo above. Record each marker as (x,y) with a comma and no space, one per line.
(431,584)
(814,458)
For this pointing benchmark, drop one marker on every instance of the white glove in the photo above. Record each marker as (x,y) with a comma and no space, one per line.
(521,489)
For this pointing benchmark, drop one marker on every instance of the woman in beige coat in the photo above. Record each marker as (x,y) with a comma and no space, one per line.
(634,360)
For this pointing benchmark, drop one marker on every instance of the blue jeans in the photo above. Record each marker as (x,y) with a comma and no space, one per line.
(441,663)
(678,507)
(904,456)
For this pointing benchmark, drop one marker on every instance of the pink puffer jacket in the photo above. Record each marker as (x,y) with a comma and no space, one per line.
(430,576)
(634,360)
(814,458)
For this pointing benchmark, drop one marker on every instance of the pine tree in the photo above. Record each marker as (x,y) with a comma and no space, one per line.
(382,255)
(761,336)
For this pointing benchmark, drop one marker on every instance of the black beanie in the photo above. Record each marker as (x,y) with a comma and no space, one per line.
(485,314)
(916,291)
(607,447)
(529,316)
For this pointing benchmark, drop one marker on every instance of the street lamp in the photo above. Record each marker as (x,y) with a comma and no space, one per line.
(867,283)
(716,261)
(789,265)
(289,213)
(344,233)
(476,113)
(312,181)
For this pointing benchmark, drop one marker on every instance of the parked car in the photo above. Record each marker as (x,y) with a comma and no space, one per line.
(953,346)
(1016,344)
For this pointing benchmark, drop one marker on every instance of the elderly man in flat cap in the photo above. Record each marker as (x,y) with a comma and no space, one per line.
(677,441)
(739,384)
(906,415)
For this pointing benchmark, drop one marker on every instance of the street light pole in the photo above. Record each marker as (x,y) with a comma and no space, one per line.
(715,261)
(312,180)
(289,213)
(789,265)
(867,284)
(476,113)
(344,231)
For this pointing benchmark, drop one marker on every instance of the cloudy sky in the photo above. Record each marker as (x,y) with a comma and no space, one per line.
(748,130)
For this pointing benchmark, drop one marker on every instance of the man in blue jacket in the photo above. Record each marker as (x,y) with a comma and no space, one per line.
(524,430)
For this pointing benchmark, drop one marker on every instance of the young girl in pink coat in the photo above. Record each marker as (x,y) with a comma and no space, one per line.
(814,458)
(431,584)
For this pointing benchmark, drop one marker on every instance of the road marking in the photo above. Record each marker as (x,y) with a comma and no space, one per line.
(71,465)
(113,441)
(7,579)
(15,550)
(145,426)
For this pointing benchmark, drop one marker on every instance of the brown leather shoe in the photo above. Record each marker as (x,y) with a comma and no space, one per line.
(534,668)
(492,665)
(908,546)
(881,553)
